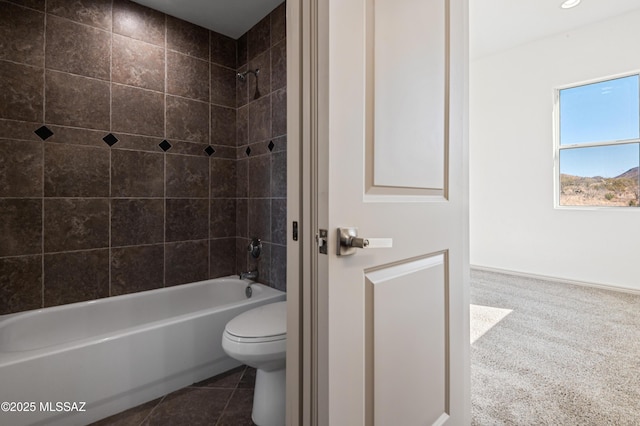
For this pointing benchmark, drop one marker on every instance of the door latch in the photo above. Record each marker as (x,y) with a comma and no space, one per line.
(323,242)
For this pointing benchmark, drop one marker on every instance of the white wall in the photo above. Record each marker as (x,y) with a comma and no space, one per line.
(514,225)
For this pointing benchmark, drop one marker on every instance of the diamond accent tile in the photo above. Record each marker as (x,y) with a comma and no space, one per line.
(209,150)
(110,139)
(43,132)
(165,145)
(248,151)
(271,145)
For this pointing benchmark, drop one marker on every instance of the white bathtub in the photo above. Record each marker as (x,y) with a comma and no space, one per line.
(78,363)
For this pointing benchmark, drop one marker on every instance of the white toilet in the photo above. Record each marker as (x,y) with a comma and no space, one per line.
(258,338)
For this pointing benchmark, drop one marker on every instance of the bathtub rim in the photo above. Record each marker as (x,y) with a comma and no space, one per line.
(13,357)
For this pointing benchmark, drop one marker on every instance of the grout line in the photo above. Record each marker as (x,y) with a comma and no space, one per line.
(164,171)
(44,107)
(153,409)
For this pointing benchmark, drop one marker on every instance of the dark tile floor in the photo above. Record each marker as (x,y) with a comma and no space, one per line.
(223,400)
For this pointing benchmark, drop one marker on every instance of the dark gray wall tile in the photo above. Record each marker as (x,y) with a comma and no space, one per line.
(242,53)
(21,35)
(241,255)
(137,221)
(279,143)
(20,226)
(261,62)
(33,4)
(223,50)
(137,268)
(75,277)
(223,126)
(242,89)
(187,119)
(242,172)
(96,13)
(186,262)
(20,92)
(279,267)
(279,65)
(20,168)
(187,76)
(75,171)
(187,38)
(187,219)
(139,143)
(223,218)
(259,37)
(137,63)
(279,221)
(19,130)
(139,22)
(242,126)
(187,176)
(279,174)
(75,224)
(260,218)
(77,48)
(68,104)
(260,119)
(137,111)
(73,136)
(242,217)
(259,176)
(278,23)
(223,178)
(222,257)
(137,174)
(189,148)
(223,83)
(279,113)
(20,284)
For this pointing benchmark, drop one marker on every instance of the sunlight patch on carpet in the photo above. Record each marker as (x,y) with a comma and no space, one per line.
(484,318)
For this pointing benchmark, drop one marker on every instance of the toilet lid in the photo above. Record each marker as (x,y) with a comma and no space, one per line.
(264,321)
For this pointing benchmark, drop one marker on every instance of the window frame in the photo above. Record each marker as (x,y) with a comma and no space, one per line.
(557,147)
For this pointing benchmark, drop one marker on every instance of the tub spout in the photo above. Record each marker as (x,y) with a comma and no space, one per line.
(251,275)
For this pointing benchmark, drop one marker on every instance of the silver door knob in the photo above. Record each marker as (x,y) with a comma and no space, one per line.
(348,241)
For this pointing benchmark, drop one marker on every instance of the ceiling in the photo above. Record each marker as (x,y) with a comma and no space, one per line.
(229,17)
(495,25)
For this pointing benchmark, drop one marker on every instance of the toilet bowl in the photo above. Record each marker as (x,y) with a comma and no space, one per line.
(258,338)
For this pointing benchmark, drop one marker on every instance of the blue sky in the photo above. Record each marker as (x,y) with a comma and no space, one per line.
(604,111)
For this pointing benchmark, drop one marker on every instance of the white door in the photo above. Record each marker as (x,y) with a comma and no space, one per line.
(394,166)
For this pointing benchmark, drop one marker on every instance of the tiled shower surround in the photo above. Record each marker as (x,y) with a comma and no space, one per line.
(131,157)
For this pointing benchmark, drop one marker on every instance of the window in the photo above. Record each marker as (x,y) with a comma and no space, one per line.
(598,143)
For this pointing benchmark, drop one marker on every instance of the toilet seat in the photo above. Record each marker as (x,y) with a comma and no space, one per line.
(266,323)
(239,339)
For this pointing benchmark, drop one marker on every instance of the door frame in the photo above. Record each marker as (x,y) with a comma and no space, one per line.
(307,125)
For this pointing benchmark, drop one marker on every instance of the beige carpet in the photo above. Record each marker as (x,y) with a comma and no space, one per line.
(550,353)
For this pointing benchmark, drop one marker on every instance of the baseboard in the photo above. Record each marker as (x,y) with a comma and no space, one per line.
(556,279)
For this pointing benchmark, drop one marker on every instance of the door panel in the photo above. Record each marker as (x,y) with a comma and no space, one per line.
(403,299)
(408,148)
(397,317)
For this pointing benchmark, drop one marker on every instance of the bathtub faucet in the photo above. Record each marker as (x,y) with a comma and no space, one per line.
(251,275)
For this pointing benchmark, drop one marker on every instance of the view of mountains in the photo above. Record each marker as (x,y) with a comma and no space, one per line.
(631,174)
(622,190)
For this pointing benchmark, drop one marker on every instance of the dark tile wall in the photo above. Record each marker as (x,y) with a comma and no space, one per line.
(123,151)
(261,148)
